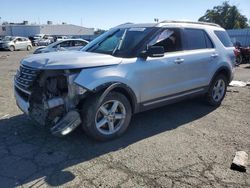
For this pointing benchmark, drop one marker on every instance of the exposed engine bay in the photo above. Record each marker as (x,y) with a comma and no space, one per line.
(54,99)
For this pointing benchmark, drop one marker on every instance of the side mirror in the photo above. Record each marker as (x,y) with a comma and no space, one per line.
(155,51)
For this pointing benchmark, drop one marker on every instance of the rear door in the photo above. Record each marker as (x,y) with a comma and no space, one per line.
(200,55)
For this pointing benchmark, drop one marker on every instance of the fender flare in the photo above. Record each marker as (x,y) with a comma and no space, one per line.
(224,69)
(126,90)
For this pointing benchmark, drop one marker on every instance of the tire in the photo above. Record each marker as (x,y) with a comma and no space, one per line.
(12,48)
(217,90)
(99,119)
(239,59)
(29,48)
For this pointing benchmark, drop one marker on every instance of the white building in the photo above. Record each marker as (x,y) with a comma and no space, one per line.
(27,30)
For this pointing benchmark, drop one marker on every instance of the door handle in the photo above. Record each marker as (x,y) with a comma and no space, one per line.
(214,55)
(179,61)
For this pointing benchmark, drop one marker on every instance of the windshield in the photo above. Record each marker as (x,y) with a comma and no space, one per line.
(118,42)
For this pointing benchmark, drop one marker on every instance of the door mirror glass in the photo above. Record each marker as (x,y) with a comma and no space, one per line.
(155,51)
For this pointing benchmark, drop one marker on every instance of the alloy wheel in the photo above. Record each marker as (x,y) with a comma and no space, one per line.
(110,117)
(218,90)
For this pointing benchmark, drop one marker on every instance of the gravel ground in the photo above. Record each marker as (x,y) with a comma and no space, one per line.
(182,145)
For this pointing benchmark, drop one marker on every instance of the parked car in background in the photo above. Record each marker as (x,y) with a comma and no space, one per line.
(62,45)
(59,38)
(129,69)
(41,40)
(15,43)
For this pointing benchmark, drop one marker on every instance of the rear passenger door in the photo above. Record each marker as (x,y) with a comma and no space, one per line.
(199,56)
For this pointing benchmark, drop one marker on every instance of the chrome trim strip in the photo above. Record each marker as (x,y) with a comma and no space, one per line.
(23,90)
(21,83)
(22,104)
(28,74)
(21,78)
(26,67)
(173,97)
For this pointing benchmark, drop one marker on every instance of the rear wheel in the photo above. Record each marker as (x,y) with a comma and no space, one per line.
(12,48)
(217,90)
(106,119)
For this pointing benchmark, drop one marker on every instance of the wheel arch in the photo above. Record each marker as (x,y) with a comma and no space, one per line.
(121,88)
(223,70)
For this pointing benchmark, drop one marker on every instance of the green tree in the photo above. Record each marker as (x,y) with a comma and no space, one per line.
(227,16)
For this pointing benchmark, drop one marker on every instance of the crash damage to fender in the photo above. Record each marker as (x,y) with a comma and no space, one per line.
(51,93)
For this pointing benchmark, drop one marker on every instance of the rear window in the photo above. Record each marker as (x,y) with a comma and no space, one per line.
(224,38)
(197,39)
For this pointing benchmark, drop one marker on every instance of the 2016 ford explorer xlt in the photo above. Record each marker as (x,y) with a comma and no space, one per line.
(129,69)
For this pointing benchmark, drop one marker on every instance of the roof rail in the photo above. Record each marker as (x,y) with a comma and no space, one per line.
(191,22)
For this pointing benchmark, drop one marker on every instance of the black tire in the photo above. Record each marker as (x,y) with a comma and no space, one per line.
(90,110)
(239,60)
(12,48)
(29,48)
(210,96)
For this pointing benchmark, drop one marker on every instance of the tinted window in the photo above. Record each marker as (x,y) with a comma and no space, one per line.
(224,38)
(65,44)
(79,43)
(208,41)
(169,39)
(196,39)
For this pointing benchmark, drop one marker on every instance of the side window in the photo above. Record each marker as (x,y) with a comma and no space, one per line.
(208,41)
(224,38)
(19,40)
(169,39)
(79,43)
(65,44)
(196,39)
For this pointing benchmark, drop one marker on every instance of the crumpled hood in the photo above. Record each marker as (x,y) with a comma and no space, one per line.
(69,60)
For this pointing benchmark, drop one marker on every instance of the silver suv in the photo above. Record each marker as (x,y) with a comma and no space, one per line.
(129,69)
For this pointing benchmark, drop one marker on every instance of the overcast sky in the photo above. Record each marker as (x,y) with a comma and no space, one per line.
(108,13)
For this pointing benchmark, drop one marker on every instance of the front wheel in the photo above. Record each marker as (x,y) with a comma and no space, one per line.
(29,48)
(217,90)
(12,48)
(106,119)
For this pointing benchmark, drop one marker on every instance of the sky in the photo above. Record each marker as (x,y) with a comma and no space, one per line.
(105,14)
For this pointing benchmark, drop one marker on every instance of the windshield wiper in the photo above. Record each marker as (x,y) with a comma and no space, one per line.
(119,45)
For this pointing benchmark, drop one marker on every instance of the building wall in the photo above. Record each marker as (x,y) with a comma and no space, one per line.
(240,35)
(30,30)
(65,30)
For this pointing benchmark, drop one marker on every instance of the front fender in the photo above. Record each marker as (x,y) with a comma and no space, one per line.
(94,78)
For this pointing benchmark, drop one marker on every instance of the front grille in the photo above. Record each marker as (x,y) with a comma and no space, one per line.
(25,78)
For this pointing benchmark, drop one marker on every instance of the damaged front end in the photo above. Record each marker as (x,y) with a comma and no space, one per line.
(50,98)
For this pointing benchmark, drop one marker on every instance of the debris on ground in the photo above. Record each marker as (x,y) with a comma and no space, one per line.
(236,83)
(240,161)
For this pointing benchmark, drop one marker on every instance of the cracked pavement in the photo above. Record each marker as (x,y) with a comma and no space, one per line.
(182,145)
